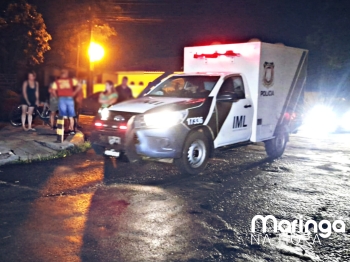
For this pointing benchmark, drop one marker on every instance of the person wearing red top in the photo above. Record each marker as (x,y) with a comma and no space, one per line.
(64,89)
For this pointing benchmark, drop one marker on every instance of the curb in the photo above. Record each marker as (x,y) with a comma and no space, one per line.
(28,151)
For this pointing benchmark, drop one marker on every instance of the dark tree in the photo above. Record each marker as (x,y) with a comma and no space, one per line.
(74,23)
(23,37)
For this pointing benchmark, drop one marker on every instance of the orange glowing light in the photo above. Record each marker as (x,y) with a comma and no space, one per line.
(96,52)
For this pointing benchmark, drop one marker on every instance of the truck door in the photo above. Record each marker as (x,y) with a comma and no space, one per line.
(235,117)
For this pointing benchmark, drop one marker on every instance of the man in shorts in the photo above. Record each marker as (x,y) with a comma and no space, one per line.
(63,88)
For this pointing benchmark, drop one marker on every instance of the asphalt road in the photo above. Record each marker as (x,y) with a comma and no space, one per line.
(83,208)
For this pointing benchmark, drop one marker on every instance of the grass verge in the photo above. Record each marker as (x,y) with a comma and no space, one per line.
(61,154)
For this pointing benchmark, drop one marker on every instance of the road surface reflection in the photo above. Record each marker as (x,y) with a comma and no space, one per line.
(74,221)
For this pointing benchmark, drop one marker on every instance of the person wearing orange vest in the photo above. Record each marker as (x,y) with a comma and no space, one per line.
(64,89)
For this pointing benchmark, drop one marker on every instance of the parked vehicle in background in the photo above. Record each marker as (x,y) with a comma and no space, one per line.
(91,106)
(88,111)
(8,99)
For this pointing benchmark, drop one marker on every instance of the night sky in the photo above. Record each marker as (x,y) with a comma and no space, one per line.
(152,29)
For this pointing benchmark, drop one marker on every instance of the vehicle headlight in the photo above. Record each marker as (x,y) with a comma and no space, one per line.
(320,120)
(164,119)
(345,121)
(104,113)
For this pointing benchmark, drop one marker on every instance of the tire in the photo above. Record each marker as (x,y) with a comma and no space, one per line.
(276,146)
(15,116)
(195,154)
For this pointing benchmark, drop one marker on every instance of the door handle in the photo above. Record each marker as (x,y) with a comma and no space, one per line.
(246,106)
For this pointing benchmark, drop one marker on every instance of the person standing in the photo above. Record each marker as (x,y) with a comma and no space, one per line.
(63,88)
(78,103)
(30,99)
(109,96)
(124,92)
(53,106)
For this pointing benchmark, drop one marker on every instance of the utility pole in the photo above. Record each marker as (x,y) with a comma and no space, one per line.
(78,58)
(90,74)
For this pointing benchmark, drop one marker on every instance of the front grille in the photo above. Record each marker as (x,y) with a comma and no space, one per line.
(115,120)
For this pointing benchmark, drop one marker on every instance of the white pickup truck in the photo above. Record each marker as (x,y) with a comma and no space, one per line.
(228,94)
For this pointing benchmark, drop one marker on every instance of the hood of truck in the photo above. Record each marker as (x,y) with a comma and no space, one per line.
(154,103)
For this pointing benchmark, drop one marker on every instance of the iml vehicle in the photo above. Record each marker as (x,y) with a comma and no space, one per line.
(228,94)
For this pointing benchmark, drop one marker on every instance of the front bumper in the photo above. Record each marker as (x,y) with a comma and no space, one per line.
(136,142)
(100,138)
(161,142)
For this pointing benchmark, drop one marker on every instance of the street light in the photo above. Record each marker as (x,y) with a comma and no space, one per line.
(96,53)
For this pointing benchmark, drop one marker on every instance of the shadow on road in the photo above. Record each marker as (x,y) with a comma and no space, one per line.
(18,191)
(86,208)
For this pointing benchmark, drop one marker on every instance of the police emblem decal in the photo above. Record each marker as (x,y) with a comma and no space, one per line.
(269,68)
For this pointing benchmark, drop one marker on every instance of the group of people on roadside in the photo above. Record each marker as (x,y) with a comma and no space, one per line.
(66,97)
(62,93)
(113,95)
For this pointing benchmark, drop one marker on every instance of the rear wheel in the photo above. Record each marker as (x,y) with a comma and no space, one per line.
(15,116)
(276,146)
(195,154)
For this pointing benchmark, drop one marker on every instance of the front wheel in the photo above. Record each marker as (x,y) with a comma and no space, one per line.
(276,146)
(195,154)
(15,116)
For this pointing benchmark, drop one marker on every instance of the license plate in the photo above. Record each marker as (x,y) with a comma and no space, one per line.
(114,140)
(112,153)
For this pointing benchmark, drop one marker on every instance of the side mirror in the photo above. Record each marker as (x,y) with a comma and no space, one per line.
(227,97)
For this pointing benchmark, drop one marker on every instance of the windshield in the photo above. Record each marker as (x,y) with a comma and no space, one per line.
(185,86)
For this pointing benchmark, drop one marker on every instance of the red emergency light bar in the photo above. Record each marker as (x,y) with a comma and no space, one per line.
(228,53)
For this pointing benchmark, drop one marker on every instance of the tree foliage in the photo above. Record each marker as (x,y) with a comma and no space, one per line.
(73,23)
(23,36)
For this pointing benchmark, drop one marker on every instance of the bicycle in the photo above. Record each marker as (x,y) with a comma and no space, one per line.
(42,111)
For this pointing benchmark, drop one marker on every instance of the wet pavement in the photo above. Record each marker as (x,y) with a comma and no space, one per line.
(86,208)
